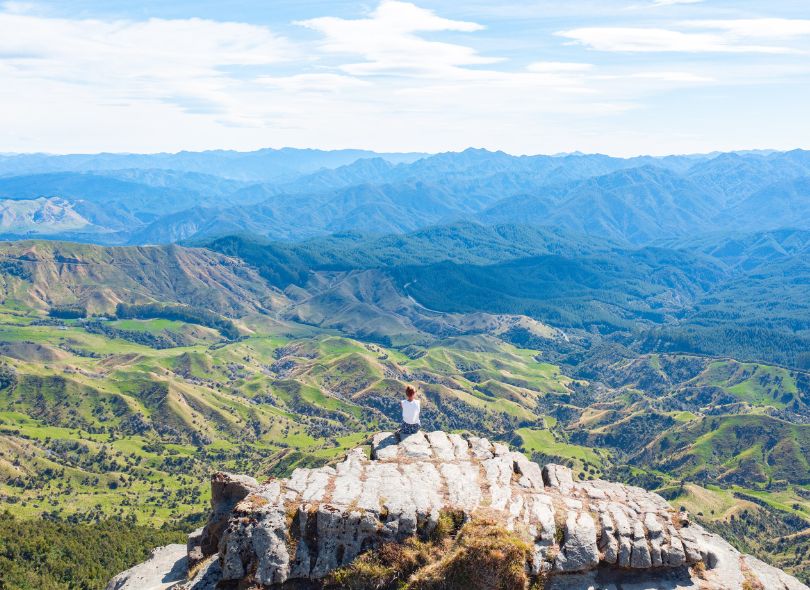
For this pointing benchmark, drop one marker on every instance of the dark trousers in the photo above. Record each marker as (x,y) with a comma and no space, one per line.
(408,429)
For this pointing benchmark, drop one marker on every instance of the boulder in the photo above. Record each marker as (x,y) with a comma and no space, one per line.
(768,576)
(166,568)
(578,551)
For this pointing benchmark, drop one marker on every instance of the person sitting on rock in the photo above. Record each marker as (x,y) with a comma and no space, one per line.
(410,412)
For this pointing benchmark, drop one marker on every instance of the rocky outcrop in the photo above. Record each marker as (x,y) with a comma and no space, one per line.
(166,568)
(593,534)
(226,492)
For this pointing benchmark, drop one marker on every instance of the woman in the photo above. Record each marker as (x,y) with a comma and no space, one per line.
(410,412)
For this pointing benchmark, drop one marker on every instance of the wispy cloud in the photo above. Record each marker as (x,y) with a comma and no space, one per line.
(558,67)
(184,61)
(667,76)
(658,3)
(18,7)
(757,28)
(718,36)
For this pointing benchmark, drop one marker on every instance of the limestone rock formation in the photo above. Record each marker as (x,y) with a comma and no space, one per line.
(594,534)
(165,569)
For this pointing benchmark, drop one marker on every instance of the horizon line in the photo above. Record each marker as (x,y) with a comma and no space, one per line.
(764,151)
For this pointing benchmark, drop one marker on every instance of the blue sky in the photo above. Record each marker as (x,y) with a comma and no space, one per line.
(611,76)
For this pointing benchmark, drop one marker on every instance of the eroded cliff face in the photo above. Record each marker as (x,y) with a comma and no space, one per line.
(596,534)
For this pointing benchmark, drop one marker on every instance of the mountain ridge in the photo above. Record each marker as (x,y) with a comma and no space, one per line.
(635,200)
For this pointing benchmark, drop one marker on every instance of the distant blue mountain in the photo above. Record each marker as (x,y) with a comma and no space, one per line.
(294,194)
(261,165)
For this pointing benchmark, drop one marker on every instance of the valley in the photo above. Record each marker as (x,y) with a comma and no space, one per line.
(632,318)
(129,374)
(403,295)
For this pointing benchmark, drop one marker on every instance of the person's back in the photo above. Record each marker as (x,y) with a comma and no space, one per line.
(411,407)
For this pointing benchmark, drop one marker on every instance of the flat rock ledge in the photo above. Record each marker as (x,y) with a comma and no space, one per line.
(594,535)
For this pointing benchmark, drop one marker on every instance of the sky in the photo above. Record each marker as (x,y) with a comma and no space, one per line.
(621,77)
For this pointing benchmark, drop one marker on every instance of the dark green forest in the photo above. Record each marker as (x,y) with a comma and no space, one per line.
(57,555)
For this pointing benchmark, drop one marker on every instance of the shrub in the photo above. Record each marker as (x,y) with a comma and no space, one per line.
(449,523)
(68,312)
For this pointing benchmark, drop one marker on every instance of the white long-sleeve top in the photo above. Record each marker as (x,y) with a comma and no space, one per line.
(410,411)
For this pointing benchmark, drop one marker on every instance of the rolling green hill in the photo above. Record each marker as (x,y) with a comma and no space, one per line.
(731,295)
(88,420)
(93,427)
(126,416)
(749,450)
(642,319)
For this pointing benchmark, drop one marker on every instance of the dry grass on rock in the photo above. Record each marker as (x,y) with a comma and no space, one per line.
(480,555)
(388,567)
(484,556)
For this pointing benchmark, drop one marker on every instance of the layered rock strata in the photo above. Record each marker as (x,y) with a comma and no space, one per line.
(592,534)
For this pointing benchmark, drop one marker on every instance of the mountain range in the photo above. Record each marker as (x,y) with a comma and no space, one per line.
(296,194)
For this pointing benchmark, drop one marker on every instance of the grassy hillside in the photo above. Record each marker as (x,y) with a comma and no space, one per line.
(725,294)
(43,274)
(126,417)
(103,419)
(750,450)
(749,523)
(710,421)
(92,425)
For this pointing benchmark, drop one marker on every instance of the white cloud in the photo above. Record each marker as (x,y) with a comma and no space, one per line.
(558,67)
(79,83)
(313,82)
(409,74)
(396,77)
(658,3)
(184,61)
(389,43)
(672,76)
(757,28)
(642,39)
(18,7)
